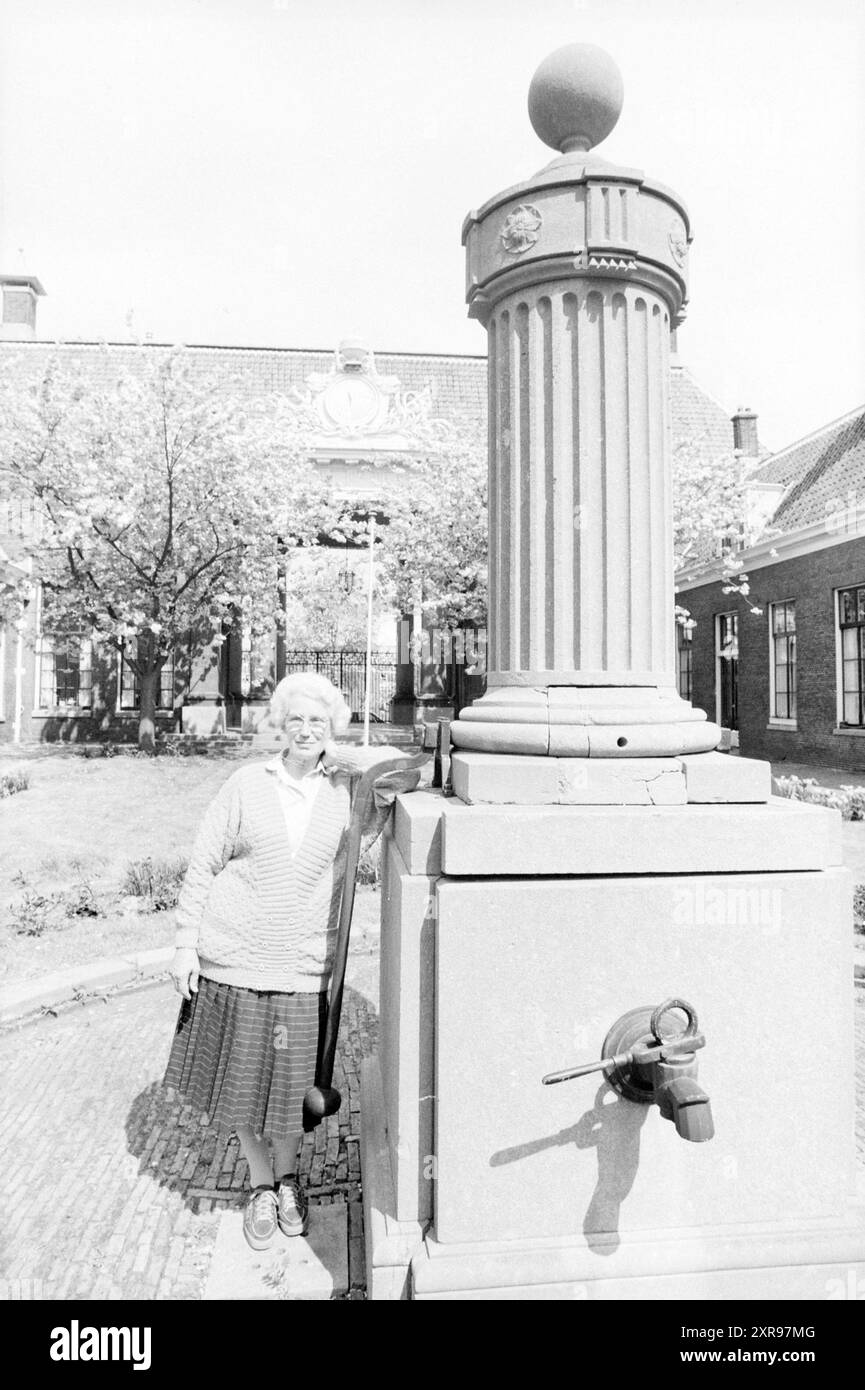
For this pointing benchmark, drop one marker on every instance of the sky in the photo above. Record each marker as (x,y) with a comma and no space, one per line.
(291,172)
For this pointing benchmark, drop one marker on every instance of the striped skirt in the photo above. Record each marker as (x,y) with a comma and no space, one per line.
(246,1057)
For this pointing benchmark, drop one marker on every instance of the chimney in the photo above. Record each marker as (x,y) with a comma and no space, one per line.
(19,306)
(745,439)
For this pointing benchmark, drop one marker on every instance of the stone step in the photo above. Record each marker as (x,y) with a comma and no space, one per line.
(393,735)
(229,739)
(314,1268)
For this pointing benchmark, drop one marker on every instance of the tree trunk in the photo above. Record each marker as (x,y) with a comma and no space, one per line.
(147,719)
(280,617)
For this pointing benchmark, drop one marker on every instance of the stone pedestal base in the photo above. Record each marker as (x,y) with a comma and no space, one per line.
(513,937)
(390,1244)
(606,720)
(818,1261)
(204,719)
(208,718)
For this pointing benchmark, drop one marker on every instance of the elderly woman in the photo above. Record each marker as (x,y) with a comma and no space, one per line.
(256,932)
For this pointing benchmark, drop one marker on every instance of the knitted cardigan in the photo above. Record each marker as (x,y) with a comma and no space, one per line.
(259,917)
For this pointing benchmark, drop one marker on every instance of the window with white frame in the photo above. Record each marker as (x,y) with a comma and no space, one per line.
(65,671)
(851,623)
(129,685)
(64,664)
(684,654)
(782,619)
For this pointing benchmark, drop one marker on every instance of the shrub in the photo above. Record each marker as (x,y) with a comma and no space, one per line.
(158,880)
(850,801)
(170,747)
(856,797)
(859,908)
(12,782)
(35,911)
(80,901)
(369,865)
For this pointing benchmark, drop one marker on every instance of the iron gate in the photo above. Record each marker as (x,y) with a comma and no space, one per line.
(347,671)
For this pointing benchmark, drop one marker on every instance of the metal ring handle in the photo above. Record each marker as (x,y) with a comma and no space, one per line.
(655,1022)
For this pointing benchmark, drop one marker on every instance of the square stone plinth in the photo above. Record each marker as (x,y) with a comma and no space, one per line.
(498,778)
(760,1262)
(774,837)
(531,975)
(417,830)
(714,777)
(406,1028)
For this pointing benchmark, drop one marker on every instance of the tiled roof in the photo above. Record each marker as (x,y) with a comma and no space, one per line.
(458,383)
(819,472)
(698,419)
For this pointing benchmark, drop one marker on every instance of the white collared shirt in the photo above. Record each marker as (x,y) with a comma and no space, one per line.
(297,797)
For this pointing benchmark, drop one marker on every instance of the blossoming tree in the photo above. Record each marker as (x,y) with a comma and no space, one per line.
(709,514)
(165,501)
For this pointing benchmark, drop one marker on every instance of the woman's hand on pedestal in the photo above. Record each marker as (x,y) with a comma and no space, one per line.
(184,971)
(393,784)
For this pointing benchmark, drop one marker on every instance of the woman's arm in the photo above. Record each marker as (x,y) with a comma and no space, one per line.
(354,761)
(213,847)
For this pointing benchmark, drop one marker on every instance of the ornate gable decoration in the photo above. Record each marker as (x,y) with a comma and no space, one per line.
(355,404)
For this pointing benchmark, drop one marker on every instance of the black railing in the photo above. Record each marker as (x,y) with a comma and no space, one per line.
(347,671)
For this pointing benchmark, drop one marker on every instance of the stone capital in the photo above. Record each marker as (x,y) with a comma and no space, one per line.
(578,221)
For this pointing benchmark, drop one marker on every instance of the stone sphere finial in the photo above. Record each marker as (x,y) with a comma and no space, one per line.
(575,97)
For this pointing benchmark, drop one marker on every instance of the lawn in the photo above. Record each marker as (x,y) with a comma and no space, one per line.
(82,821)
(74,832)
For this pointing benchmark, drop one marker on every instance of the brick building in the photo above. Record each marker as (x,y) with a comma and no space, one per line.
(788,683)
(55,687)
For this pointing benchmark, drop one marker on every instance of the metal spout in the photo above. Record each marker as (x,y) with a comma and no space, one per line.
(688,1106)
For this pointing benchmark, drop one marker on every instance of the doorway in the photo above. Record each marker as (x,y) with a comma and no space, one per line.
(727,674)
(231,672)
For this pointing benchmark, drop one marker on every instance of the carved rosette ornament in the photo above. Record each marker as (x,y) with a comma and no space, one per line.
(678,242)
(522,229)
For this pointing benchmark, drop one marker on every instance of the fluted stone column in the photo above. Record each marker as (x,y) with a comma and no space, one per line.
(579,275)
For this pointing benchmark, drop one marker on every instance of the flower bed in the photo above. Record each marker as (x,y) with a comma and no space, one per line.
(850,801)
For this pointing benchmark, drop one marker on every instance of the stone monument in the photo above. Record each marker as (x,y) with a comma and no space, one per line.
(599,859)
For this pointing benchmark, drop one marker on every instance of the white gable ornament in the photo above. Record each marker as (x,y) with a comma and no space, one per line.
(353,399)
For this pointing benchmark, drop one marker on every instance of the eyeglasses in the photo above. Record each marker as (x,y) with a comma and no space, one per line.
(316,725)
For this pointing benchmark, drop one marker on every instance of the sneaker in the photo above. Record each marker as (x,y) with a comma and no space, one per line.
(259,1218)
(292,1210)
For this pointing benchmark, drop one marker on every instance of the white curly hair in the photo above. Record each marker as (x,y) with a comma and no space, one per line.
(312,686)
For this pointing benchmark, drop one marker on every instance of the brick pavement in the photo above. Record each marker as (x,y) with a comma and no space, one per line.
(113,1191)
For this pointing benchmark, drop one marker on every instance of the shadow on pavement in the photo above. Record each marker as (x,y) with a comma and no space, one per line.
(183,1152)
